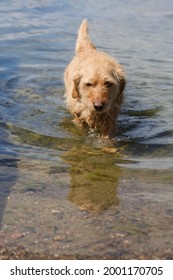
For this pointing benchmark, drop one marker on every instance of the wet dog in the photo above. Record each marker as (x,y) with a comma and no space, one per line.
(94,84)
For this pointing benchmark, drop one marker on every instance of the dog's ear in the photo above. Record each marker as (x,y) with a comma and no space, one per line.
(122,84)
(119,75)
(75,91)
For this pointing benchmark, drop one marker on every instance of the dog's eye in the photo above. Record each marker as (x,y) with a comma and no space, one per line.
(108,84)
(89,85)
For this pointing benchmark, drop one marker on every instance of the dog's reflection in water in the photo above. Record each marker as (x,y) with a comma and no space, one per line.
(94,178)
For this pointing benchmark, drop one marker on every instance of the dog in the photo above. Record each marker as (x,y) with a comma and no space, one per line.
(94,84)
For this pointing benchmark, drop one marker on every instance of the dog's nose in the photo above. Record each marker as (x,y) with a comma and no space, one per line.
(98,106)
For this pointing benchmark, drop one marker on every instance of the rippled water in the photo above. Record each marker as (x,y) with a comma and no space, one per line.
(61,193)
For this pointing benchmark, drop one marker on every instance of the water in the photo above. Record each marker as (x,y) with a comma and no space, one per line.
(61,194)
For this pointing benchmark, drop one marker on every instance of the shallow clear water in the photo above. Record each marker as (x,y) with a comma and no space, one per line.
(61,192)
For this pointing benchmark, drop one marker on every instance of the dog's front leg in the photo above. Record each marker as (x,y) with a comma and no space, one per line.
(109,129)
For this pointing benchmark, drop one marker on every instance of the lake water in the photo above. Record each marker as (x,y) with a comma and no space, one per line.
(61,194)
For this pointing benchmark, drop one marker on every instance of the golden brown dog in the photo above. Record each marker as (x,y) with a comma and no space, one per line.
(94,85)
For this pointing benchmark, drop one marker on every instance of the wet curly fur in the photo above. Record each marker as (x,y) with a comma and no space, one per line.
(94,85)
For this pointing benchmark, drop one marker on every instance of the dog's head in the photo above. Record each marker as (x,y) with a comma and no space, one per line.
(100,83)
